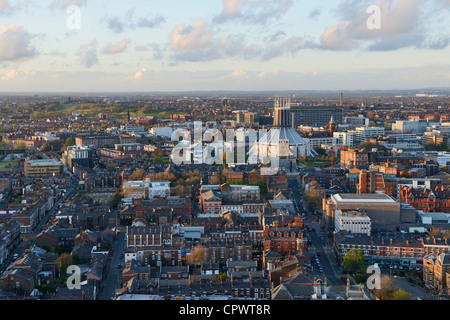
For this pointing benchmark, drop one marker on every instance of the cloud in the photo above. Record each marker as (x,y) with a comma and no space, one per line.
(9,75)
(291,45)
(314,14)
(4,6)
(88,54)
(237,75)
(198,42)
(253,11)
(15,44)
(116,47)
(275,36)
(138,75)
(115,25)
(191,37)
(17,75)
(118,25)
(404,23)
(155,47)
(150,22)
(64,4)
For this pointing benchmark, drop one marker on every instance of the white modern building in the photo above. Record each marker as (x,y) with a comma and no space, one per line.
(360,120)
(364,133)
(345,138)
(317,143)
(132,128)
(354,221)
(146,189)
(412,126)
(165,132)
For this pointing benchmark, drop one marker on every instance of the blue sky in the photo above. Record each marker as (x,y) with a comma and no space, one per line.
(174,45)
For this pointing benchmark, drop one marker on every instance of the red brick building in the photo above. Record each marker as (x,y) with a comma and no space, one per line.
(427,200)
(284,239)
(354,158)
(370,182)
(436,269)
(211,202)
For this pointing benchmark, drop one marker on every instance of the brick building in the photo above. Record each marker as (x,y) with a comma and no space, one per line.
(435,199)
(352,158)
(370,182)
(285,239)
(436,270)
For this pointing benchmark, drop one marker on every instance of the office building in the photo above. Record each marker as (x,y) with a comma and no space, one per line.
(317,116)
(42,168)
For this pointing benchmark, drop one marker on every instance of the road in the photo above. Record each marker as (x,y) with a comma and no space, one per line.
(111,278)
(330,267)
(414,290)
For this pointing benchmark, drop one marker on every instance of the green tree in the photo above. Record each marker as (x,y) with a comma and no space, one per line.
(19,145)
(354,261)
(400,294)
(215,179)
(197,256)
(64,261)
(313,200)
(69,143)
(261,186)
(116,200)
(221,277)
(138,175)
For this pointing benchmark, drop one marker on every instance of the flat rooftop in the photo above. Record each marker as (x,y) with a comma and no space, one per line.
(44,163)
(364,197)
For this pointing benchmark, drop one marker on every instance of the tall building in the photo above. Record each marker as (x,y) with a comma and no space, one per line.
(289,145)
(317,116)
(83,156)
(370,182)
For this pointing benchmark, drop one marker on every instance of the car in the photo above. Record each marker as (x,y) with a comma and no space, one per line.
(16,256)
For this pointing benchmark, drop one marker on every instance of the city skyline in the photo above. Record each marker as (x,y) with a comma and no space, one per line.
(243,45)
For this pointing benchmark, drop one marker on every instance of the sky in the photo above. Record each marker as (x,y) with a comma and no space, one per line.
(202,45)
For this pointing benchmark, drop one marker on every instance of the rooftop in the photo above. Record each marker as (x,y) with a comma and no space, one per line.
(366,197)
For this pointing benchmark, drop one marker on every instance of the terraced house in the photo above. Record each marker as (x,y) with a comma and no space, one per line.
(436,271)
(394,248)
(436,199)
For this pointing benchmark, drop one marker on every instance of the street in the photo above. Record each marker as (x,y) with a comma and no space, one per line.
(112,275)
(330,268)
